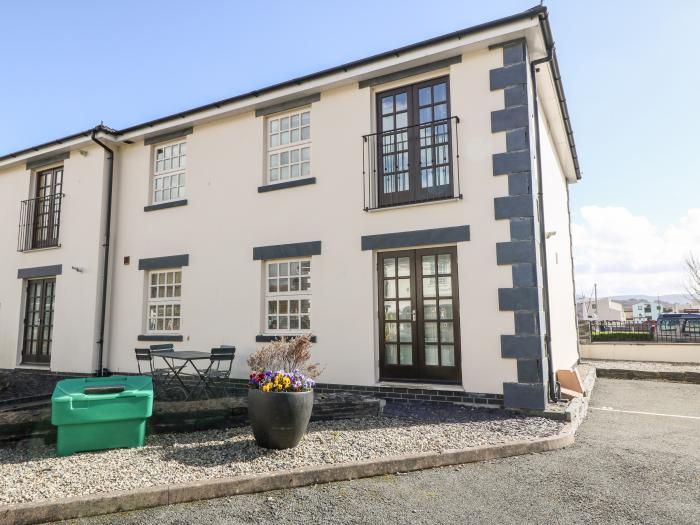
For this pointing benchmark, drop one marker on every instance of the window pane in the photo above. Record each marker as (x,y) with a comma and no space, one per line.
(446,333)
(448,355)
(404,288)
(441,111)
(401,120)
(430,310)
(389,267)
(424,96)
(404,267)
(294,322)
(390,332)
(444,264)
(428,265)
(284,123)
(390,355)
(272,285)
(405,333)
(431,332)
(284,269)
(305,306)
(283,322)
(390,310)
(446,309)
(390,289)
(294,284)
(387,105)
(425,115)
(272,307)
(388,123)
(431,355)
(305,284)
(305,322)
(406,355)
(305,118)
(429,286)
(274,126)
(272,323)
(405,310)
(440,92)
(305,267)
(401,102)
(445,286)
(283,285)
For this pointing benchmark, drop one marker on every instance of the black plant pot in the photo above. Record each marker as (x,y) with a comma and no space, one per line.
(279,419)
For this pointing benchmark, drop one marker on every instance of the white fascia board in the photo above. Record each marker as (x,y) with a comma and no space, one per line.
(551,108)
(70,145)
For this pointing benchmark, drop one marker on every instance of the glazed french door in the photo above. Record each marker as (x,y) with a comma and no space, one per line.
(47,207)
(415,143)
(419,315)
(38,320)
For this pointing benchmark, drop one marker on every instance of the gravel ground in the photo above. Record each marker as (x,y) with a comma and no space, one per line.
(646,366)
(32,473)
(623,469)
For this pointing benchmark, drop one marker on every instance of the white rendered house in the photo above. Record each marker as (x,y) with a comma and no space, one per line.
(409,209)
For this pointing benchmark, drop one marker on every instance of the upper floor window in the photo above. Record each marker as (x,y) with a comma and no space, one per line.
(414,143)
(169,171)
(164,301)
(288,296)
(289,146)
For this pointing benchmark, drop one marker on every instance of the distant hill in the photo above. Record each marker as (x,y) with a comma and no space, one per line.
(668,298)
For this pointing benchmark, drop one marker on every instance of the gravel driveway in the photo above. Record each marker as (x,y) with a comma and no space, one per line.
(624,468)
(29,474)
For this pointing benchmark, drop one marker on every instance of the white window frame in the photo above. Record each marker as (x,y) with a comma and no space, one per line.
(291,298)
(173,301)
(302,147)
(168,173)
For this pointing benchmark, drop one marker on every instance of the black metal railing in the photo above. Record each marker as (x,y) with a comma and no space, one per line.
(39,223)
(411,165)
(679,330)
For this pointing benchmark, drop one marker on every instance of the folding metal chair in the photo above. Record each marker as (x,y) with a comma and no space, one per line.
(144,358)
(219,370)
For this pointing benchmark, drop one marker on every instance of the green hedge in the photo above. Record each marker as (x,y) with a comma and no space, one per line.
(621,336)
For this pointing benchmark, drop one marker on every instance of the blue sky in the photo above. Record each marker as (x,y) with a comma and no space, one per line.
(629,69)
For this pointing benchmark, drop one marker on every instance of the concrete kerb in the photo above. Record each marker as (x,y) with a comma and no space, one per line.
(649,375)
(108,503)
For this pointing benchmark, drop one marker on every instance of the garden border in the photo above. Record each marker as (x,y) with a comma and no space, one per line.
(148,497)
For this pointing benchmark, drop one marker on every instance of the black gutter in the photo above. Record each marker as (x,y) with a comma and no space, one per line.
(105,267)
(552,384)
(559,87)
(535,11)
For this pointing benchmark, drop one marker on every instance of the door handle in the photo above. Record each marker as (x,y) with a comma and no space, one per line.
(413,315)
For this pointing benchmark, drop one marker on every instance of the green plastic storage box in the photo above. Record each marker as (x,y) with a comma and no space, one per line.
(96,413)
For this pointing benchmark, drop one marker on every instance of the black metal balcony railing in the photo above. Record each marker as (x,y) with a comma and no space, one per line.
(411,165)
(39,223)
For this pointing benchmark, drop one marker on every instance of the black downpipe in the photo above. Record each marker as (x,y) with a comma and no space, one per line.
(553,390)
(101,371)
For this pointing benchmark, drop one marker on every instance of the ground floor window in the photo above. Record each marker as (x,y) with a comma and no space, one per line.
(288,296)
(38,320)
(164,296)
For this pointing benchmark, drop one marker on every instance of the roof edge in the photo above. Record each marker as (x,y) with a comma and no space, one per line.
(529,13)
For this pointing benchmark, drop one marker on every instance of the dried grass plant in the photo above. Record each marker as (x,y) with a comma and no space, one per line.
(286,354)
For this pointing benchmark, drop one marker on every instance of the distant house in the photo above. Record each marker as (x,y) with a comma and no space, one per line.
(646,311)
(604,310)
(609,310)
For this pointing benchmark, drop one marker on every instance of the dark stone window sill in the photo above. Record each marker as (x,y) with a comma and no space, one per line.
(164,205)
(160,337)
(288,184)
(270,338)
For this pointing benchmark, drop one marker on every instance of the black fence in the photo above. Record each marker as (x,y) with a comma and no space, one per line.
(39,223)
(411,165)
(677,330)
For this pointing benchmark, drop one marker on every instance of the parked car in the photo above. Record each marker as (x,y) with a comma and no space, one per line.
(678,327)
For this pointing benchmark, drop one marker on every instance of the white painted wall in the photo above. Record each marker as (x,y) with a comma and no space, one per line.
(226,217)
(74,333)
(669,353)
(559,262)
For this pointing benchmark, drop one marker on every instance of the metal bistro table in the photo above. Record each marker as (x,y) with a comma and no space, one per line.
(187,357)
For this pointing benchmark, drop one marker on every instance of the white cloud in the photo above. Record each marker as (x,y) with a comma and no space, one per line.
(626,253)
